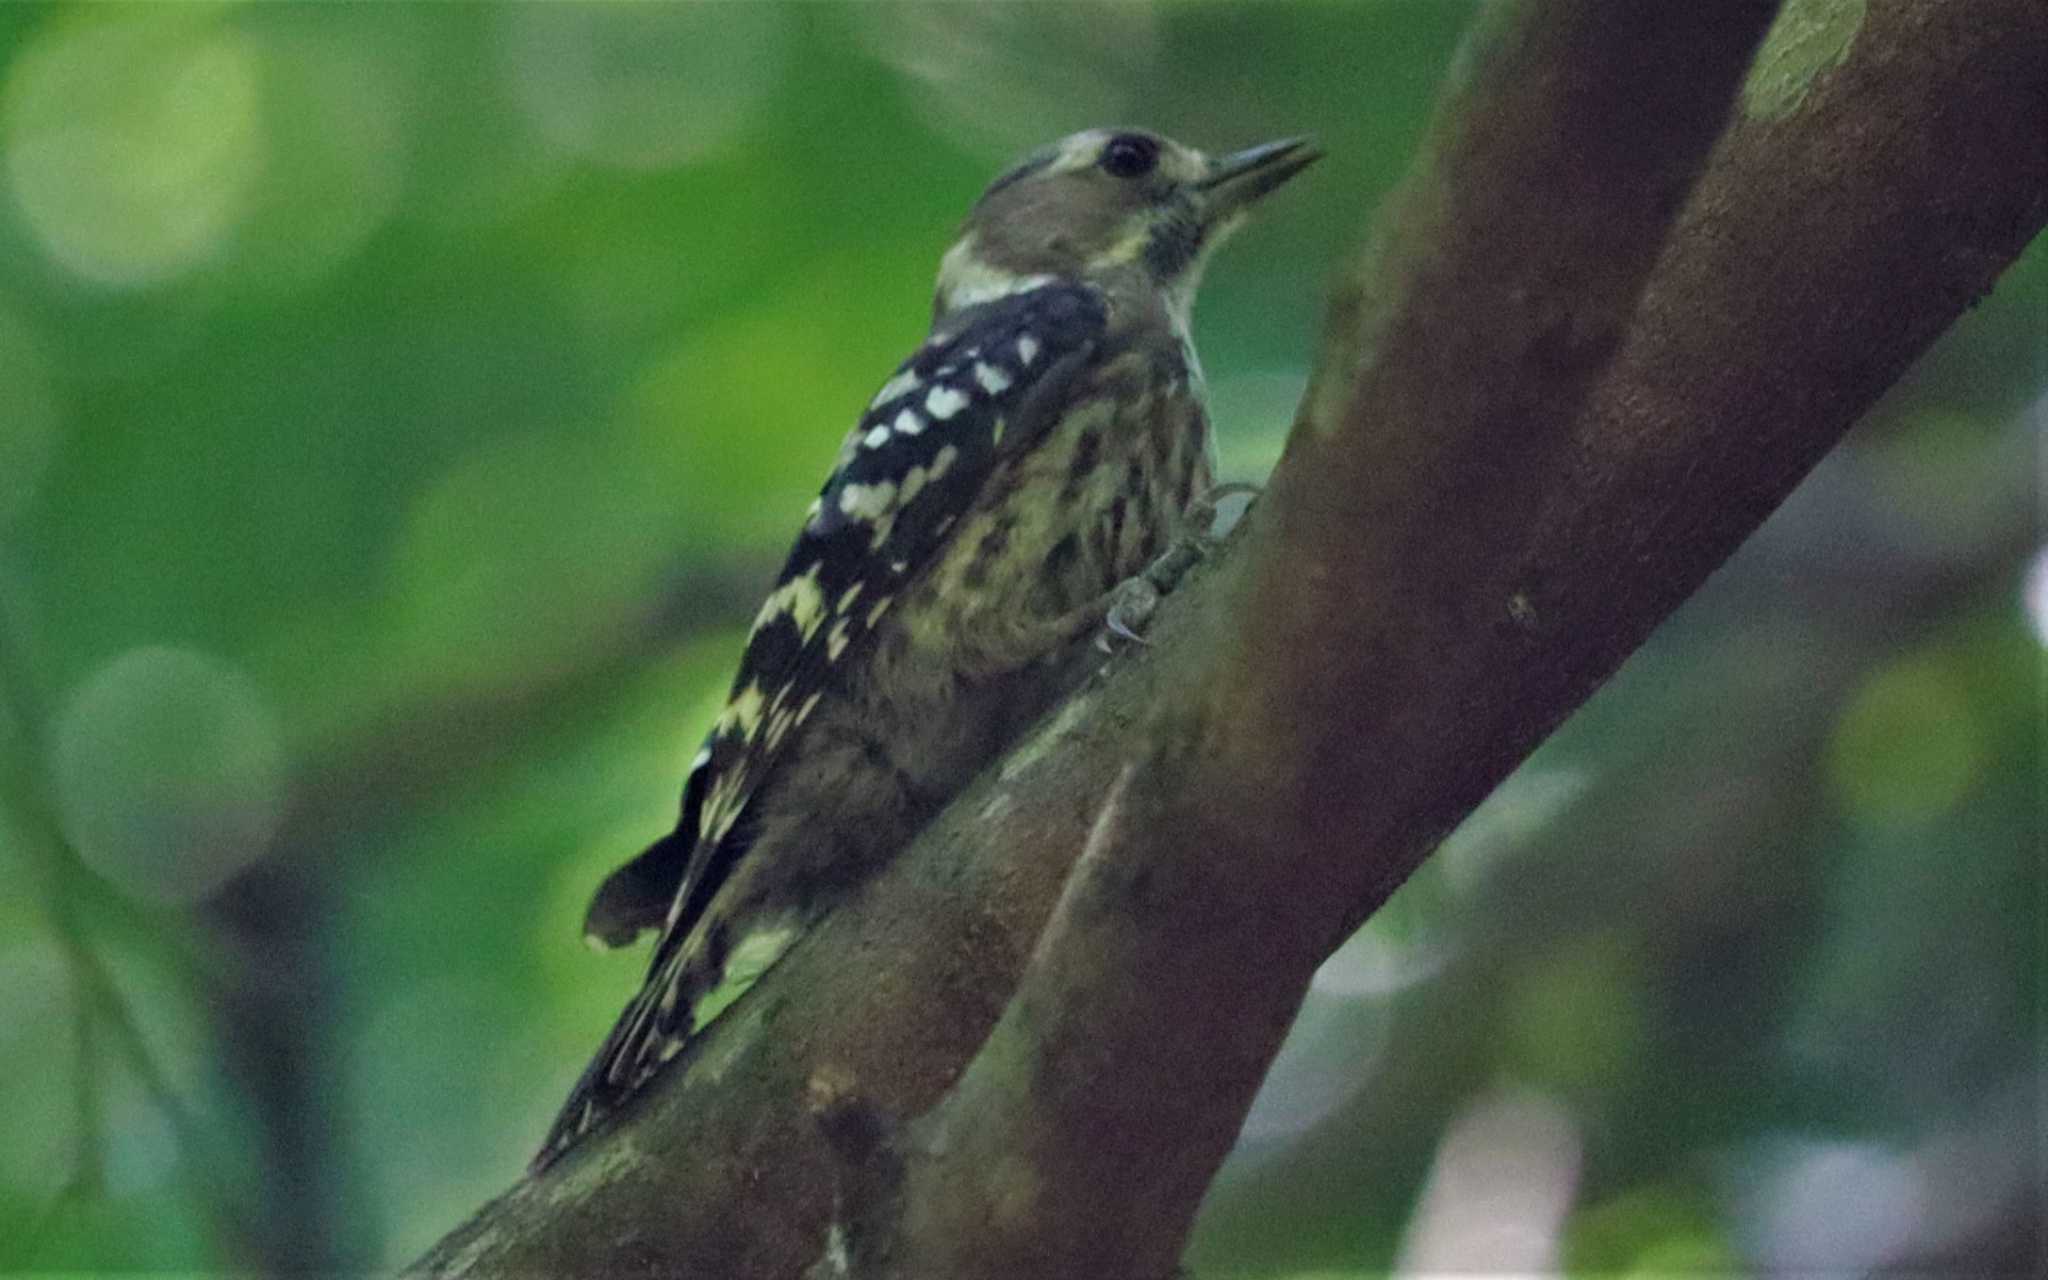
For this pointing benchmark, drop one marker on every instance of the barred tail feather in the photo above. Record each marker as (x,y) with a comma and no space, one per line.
(689,989)
(630,1053)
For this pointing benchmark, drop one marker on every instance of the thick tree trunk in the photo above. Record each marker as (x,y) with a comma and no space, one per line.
(1582,358)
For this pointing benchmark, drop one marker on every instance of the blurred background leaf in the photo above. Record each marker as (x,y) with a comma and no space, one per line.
(401,411)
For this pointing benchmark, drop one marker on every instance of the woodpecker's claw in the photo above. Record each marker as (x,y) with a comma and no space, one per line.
(1131,605)
(1200,519)
(1134,600)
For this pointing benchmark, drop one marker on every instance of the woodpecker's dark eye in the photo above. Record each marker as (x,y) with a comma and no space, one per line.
(1130,155)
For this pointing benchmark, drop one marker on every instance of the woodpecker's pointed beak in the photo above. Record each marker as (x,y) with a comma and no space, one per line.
(1240,180)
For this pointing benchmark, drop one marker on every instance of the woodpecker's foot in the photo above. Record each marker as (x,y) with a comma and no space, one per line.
(1133,601)
(1200,518)
(1198,537)
(1131,605)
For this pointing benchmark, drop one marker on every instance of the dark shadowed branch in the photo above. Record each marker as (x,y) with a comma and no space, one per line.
(1581,359)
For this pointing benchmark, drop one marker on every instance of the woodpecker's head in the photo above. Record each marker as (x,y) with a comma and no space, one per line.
(1125,209)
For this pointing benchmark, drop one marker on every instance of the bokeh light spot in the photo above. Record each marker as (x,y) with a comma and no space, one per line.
(132,143)
(1332,1052)
(1381,960)
(1575,1018)
(465,1027)
(642,86)
(1909,744)
(525,554)
(28,428)
(1000,78)
(334,119)
(708,412)
(1649,1231)
(2033,593)
(1498,1191)
(1531,801)
(169,773)
(1702,1253)
(36,1022)
(1852,1206)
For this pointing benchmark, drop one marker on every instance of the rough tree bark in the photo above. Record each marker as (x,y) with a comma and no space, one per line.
(1581,359)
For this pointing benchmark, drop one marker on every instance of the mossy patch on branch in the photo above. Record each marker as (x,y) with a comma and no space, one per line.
(1808,38)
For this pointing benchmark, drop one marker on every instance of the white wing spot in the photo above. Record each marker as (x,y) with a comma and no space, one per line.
(846,601)
(876,438)
(867,501)
(721,809)
(908,423)
(895,388)
(702,758)
(743,712)
(913,481)
(801,598)
(944,402)
(881,607)
(836,642)
(1027,349)
(992,380)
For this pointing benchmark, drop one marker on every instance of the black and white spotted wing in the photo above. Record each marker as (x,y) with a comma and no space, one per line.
(909,469)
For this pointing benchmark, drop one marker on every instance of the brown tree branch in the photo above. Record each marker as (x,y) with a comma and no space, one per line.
(1507,475)
(1362,691)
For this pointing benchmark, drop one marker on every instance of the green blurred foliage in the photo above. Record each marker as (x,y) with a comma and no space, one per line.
(401,409)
